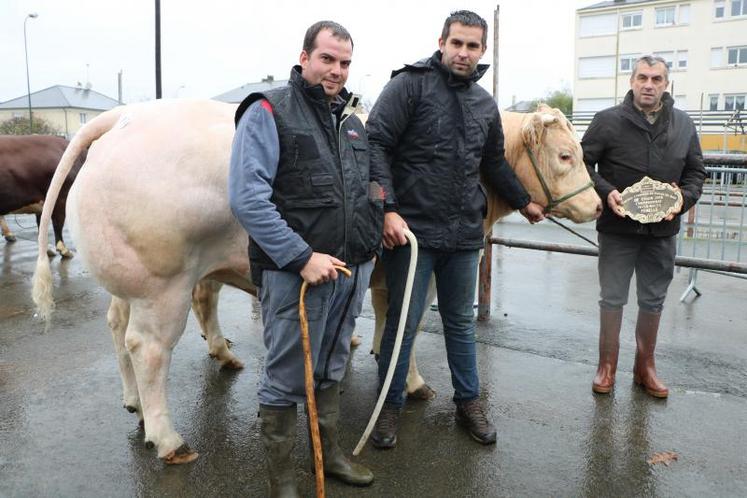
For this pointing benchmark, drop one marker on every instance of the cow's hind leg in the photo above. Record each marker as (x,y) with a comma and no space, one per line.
(154,328)
(205,307)
(58,222)
(6,231)
(117,318)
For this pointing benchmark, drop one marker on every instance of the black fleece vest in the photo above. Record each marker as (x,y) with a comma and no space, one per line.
(322,183)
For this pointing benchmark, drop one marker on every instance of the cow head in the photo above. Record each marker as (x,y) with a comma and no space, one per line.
(552,144)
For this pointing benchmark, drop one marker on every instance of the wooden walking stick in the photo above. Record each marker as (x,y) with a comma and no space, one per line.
(316,441)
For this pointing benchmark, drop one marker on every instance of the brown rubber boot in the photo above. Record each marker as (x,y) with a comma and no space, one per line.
(644,371)
(610,321)
(278,437)
(336,464)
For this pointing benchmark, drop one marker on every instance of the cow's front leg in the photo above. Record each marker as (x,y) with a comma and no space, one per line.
(117,318)
(153,331)
(205,307)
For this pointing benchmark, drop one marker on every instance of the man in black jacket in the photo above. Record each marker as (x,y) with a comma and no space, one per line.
(643,136)
(433,132)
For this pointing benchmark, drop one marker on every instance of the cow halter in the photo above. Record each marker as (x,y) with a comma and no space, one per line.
(551,201)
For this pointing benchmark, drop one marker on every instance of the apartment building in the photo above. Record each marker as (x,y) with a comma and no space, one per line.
(703,41)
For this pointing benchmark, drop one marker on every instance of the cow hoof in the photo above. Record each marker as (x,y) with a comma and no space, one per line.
(356,341)
(233,364)
(51,253)
(67,254)
(10,238)
(422,393)
(130,408)
(183,454)
(149,445)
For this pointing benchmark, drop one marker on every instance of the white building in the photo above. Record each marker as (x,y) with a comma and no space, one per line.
(704,42)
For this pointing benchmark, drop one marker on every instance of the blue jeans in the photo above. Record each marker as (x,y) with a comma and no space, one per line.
(456,277)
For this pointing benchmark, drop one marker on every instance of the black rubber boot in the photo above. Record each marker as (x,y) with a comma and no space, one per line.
(336,464)
(278,437)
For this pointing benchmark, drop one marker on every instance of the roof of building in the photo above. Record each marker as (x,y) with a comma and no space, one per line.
(614,3)
(522,106)
(238,94)
(60,96)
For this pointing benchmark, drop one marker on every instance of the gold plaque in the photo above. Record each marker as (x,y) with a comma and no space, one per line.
(650,201)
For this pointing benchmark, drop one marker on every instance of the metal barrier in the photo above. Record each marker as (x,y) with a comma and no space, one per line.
(713,234)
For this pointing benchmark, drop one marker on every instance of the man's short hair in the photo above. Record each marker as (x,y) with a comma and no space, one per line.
(650,61)
(338,31)
(467,18)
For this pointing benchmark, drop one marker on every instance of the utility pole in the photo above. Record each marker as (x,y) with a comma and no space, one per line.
(33,15)
(158,49)
(495,52)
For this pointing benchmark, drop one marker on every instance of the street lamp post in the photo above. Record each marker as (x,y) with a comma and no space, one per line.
(32,15)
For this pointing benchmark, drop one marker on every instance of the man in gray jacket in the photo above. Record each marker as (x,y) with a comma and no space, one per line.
(643,136)
(299,185)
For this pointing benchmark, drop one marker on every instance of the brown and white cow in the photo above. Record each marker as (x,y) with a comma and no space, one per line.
(150,216)
(27,163)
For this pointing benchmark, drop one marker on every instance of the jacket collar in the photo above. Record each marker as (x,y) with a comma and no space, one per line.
(454,80)
(316,93)
(637,117)
(434,63)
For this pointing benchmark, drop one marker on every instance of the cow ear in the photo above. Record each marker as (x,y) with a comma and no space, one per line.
(533,130)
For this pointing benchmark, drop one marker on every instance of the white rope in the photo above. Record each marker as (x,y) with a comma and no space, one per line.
(397,342)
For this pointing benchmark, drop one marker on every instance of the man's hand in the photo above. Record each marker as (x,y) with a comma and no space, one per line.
(394,230)
(671,216)
(533,212)
(320,268)
(615,202)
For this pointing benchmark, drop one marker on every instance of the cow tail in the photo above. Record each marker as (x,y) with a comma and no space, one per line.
(42,280)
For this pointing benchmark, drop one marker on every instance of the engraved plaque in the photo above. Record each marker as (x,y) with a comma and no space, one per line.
(649,201)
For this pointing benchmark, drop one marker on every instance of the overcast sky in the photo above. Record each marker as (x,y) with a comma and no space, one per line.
(212,46)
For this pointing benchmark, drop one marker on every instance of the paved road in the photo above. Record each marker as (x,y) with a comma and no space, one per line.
(63,432)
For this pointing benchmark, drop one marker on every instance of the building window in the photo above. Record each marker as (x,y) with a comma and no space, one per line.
(717,55)
(737,56)
(83,118)
(596,67)
(734,102)
(667,56)
(682,60)
(605,24)
(719,9)
(632,20)
(738,8)
(713,102)
(683,14)
(665,16)
(627,62)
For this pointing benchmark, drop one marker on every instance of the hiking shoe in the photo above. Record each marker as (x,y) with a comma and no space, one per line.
(471,415)
(385,431)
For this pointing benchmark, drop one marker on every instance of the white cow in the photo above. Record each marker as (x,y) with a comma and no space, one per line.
(150,216)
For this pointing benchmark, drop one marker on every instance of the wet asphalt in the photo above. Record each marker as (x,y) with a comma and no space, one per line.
(64,433)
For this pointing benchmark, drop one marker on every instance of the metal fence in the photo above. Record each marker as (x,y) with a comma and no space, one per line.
(713,234)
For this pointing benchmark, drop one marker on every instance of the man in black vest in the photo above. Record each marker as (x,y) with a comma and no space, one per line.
(643,136)
(434,132)
(299,185)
